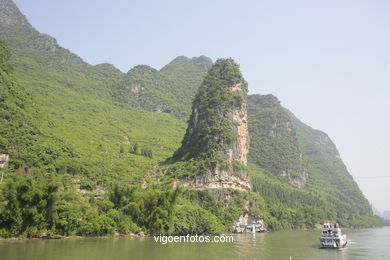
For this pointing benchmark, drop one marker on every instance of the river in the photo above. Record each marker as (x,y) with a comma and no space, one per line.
(369,244)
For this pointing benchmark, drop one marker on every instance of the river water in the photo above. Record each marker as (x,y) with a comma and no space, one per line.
(369,244)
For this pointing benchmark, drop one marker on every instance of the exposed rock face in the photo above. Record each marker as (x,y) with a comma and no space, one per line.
(10,14)
(240,119)
(12,22)
(222,178)
(4,159)
(249,223)
(19,34)
(297,179)
(217,132)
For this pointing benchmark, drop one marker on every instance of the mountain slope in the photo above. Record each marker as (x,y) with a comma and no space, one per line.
(91,131)
(76,106)
(169,90)
(328,172)
(288,151)
(274,143)
(21,137)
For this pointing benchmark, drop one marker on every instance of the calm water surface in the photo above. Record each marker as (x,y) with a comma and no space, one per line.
(363,244)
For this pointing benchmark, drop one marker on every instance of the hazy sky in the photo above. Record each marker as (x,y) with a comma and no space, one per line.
(327,61)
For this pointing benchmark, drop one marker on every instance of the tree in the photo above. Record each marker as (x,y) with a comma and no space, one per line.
(146,152)
(134,149)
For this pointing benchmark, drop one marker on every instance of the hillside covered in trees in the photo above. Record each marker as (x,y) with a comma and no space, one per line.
(84,143)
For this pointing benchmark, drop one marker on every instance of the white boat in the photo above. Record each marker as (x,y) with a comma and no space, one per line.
(331,236)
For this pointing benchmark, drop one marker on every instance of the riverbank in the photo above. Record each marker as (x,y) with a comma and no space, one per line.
(143,234)
(56,237)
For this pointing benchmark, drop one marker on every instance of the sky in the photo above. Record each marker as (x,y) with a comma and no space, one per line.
(327,61)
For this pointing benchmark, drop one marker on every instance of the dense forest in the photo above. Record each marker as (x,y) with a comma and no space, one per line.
(84,142)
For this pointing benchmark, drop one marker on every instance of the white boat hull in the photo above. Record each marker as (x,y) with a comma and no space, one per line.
(333,247)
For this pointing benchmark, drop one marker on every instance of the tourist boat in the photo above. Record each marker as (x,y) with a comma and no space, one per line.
(331,236)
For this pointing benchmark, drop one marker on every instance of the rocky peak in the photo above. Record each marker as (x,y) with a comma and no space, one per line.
(10,15)
(145,71)
(264,101)
(108,70)
(19,33)
(202,63)
(180,60)
(217,130)
(107,66)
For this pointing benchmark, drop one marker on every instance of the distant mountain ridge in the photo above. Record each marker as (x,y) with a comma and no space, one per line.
(141,87)
(386,214)
(169,90)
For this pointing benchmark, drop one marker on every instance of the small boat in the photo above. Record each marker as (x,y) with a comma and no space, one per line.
(331,236)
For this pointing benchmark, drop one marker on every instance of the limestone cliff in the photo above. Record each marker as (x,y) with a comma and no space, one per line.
(217,132)
(4,158)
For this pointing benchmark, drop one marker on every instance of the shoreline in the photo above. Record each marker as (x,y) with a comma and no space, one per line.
(144,235)
(59,237)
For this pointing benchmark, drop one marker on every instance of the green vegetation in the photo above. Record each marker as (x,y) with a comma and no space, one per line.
(67,180)
(83,140)
(35,205)
(280,142)
(273,139)
(210,130)
(293,208)
(329,175)
(210,135)
(169,90)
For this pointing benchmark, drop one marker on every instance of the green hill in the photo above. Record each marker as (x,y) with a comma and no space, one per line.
(169,90)
(82,138)
(298,169)
(274,144)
